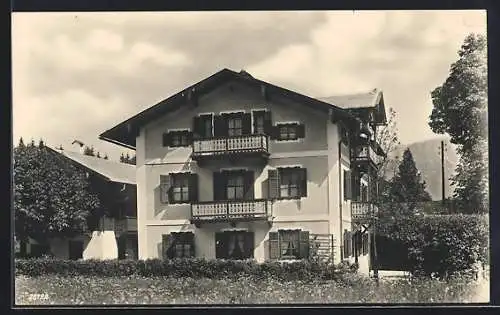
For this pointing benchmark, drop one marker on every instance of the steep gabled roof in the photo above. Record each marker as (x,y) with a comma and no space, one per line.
(125,133)
(113,171)
(372,99)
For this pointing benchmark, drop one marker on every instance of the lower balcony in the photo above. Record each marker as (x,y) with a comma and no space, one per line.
(365,154)
(363,212)
(231,211)
(235,146)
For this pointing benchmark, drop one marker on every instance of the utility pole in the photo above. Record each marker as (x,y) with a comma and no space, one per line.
(443,200)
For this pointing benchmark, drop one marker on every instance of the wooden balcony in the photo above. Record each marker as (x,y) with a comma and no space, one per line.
(237,146)
(363,212)
(231,211)
(364,154)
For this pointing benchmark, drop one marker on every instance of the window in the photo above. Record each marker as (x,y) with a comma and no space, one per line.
(177,139)
(289,131)
(259,122)
(203,126)
(235,186)
(347,185)
(235,126)
(179,188)
(289,244)
(292,183)
(234,245)
(178,245)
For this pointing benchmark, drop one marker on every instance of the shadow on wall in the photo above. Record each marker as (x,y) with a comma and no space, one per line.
(157,204)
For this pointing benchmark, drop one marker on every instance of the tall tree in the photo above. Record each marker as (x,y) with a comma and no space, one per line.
(407,186)
(52,198)
(460,110)
(387,138)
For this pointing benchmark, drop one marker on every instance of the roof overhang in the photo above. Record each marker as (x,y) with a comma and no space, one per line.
(125,133)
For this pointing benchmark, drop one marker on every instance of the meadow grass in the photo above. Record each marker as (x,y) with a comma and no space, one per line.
(60,290)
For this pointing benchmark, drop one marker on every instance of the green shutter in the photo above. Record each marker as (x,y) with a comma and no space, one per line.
(193,187)
(347,185)
(197,127)
(273,184)
(304,244)
(218,186)
(220,126)
(274,132)
(167,243)
(190,240)
(246,123)
(249,243)
(301,131)
(165,185)
(274,248)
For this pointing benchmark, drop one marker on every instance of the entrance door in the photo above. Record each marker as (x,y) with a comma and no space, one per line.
(234,245)
(75,250)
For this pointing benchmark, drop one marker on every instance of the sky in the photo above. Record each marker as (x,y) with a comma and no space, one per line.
(76,75)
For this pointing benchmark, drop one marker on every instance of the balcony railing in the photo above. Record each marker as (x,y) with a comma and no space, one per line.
(363,210)
(365,153)
(257,209)
(234,144)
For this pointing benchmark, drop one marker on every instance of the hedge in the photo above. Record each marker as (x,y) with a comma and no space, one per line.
(181,268)
(440,245)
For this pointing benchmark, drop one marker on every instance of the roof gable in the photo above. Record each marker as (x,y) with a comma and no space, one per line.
(125,133)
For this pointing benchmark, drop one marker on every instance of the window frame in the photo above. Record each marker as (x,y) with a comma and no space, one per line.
(238,178)
(179,138)
(293,173)
(181,238)
(298,244)
(233,119)
(289,126)
(179,178)
(257,116)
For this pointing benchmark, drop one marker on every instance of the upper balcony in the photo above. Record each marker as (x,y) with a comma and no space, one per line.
(363,212)
(231,146)
(231,211)
(365,154)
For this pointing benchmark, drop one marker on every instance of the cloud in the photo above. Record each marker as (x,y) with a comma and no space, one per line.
(101,68)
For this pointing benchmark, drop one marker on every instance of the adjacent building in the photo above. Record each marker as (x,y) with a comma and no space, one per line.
(234,167)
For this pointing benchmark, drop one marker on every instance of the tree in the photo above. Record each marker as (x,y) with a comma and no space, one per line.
(127,159)
(387,138)
(105,156)
(98,154)
(460,110)
(52,198)
(407,186)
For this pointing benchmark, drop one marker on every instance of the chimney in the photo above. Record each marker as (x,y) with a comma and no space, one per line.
(80,144)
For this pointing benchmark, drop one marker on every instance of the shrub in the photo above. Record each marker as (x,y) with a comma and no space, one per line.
(184,268)
(440,245)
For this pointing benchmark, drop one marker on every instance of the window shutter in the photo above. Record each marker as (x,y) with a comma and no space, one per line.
(246,123)
(219,245)
(274,133)
(165,185)
(273,184)
(249,244)
(167,243)
(220,126)
(346,244)
(190,137)
(301,131)
(303,182)
(304,244)
(274,248)
(354,186)
(166,139)
(347,185)
(197,127)
(193,187)
(268,123)
(218,186)
(248,185)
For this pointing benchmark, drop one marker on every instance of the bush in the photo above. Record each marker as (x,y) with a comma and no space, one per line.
(184,268)
(440,245)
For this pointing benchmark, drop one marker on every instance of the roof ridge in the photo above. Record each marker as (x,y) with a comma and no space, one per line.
(93,157)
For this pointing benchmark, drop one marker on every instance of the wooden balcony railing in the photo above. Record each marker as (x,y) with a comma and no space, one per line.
(257,209)
(235,144)
(363,210)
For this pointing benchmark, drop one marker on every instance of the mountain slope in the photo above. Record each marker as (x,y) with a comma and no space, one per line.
(428,160)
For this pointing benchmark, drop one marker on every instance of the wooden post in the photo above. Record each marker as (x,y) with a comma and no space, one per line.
(375,260)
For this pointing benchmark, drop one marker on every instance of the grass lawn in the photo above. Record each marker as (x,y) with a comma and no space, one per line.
(164,290)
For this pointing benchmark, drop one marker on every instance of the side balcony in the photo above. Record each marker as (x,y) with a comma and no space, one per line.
(233,147)
(363,212)
(364,155)
(231,211)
